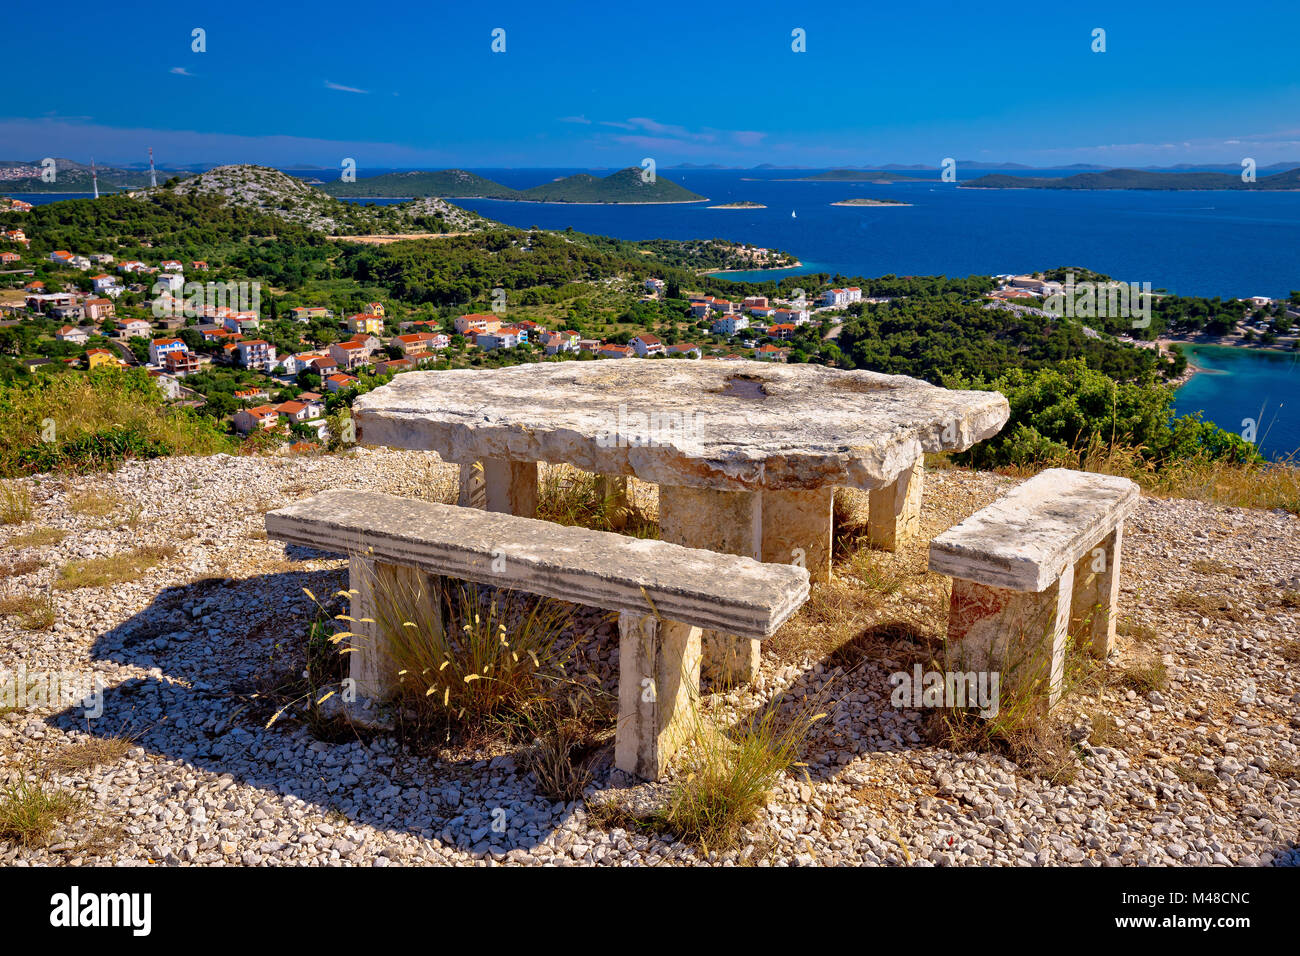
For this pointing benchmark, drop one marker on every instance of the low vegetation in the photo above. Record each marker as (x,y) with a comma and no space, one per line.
(34,612)
(82,423)
(112,569)
(29,811)
(39,537)
(15,503)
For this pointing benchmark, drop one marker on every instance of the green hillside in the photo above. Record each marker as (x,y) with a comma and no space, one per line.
(1138,179)
(74,177)
(456,183)
(624,186)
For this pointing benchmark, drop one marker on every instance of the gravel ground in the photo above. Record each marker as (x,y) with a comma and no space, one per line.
(1204,770)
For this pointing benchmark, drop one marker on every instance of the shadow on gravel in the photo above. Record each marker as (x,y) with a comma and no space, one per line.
(212,643)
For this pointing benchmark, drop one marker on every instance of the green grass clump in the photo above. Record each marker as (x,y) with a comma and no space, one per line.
(29,812)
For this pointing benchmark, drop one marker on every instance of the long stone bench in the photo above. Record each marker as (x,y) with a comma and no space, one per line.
(1040,563)
(665,594)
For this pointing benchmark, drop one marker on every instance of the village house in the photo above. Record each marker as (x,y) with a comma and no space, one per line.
(131,328)
(783,330)
(476,322)
(615,351)
(100,358)
(61,313)
(418,342)
(397,365)
(171,265)
(729,324)
(367,323)
(556,342)
(646,345)
(60,256)
(41,302)
(761,311)
(17,235)
(590,345)
(99,309)
(324,367)
(103,281)
(131,265)
(771,353)
(73,333)
(256,354)
(349,355)
(249,420)
(200,264)
(297,412)
(501,339)
(160,348)
(9,258)
(181,362)
(792,316)
(374,308)
(241,322)
(306,313)
(754,302)
(371,343)
(338,382)
(655,285)
(684,350)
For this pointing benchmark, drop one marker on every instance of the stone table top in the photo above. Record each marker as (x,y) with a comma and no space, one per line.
(732,426)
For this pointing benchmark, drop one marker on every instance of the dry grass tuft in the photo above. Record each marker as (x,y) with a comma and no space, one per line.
(729,774)
(20,567)
(35,612)
(576,498)
(37,538)
(112,569)
(15,503)
(94,503)
(90,753)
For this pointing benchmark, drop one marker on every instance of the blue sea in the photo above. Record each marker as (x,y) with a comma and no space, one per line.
(1239,386)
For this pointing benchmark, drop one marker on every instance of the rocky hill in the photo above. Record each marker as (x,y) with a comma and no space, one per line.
(271,191)
(1187,753)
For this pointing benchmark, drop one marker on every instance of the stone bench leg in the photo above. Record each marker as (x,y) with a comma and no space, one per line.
(370,664)
(1019,634)
(659,676)
(509,487)
(728,522)
(1096,594)
(797,528)
(895,510)
(612,490)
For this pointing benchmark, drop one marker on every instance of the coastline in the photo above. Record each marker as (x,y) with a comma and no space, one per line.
(713,272)
(1214,341)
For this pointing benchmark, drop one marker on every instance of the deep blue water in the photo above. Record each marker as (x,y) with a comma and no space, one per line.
(1240,384)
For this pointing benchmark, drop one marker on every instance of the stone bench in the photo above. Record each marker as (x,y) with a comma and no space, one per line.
(1040,563)
(665,594)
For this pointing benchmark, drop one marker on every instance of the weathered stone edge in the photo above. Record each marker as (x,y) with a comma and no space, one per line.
(769,593)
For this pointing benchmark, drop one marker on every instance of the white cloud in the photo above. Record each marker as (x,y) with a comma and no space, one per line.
(181,71)
(343,89)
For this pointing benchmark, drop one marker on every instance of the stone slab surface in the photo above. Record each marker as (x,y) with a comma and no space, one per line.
(727,425)
(1026,539)
(597,568)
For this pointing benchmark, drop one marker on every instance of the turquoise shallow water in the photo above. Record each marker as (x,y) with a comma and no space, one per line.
(1240,384)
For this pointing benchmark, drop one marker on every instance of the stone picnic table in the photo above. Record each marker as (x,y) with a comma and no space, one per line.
(747,455)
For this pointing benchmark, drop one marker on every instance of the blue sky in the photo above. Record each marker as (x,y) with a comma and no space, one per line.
(606,84)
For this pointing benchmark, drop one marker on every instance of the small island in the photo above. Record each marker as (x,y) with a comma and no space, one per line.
(744,204)
(870,202)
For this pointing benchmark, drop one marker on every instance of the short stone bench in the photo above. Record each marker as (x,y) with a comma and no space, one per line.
(1040,563)
(665,594)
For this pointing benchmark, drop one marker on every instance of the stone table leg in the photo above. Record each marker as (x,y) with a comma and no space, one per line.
(472,491)
(1020,635)
(658,678)
(797,528)
(612,490)
(1096,594)
(728,522)
(895,510)
(509,487)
